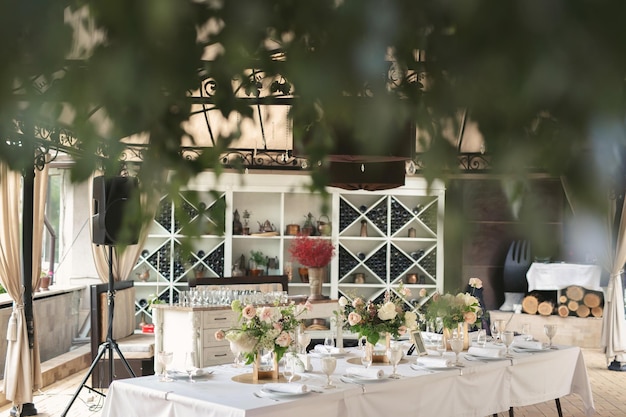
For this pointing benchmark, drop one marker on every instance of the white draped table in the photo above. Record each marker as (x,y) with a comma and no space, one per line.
(480,388)
(558,276)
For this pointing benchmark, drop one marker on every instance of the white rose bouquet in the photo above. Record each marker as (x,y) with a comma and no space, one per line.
(371,320)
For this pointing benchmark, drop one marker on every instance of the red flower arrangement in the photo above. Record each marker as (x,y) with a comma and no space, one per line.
(312,252)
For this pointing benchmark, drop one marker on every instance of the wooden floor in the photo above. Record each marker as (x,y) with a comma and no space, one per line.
(607,389)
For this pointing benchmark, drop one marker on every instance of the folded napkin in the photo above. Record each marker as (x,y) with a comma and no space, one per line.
(431,361)
(527,344)
(292,388)
(370,373)
(486,352)
(322,349)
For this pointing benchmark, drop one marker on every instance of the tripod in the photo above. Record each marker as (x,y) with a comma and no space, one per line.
(108,346)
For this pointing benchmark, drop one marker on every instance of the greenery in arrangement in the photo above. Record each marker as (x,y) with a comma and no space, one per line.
(373,320)
(450,310)
(100,71)
(266,327)
(2,290)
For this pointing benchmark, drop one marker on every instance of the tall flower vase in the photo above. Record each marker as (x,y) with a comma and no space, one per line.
(316,278)
(380,358)
(262,371)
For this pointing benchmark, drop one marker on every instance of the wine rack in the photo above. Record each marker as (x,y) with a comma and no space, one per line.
(382,237)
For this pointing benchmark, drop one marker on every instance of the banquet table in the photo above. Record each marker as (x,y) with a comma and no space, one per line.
(481,387)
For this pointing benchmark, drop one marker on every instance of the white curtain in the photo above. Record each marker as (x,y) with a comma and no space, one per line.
(22,372)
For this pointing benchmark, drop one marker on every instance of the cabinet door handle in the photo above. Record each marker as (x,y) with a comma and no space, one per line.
(221,354)
(220,318)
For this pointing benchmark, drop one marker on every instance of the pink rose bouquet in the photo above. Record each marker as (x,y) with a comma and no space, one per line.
(267,327)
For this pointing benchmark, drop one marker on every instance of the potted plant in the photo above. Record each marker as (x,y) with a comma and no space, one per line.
(257,261)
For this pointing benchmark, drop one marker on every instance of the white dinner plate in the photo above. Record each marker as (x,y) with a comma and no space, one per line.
(282,394)
(419,366)
(484,358)
(361,379)
(520,349)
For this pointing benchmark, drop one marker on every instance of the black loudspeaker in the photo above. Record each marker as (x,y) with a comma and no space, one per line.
(116,218)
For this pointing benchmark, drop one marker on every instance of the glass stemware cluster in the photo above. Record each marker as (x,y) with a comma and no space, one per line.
(224,296)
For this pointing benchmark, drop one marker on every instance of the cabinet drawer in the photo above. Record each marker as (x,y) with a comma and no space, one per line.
(208,338)
(218,355)
(217,319)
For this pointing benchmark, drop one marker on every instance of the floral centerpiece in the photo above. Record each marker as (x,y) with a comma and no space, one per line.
(263,327)
(315,254)
(371,320)
(450,311)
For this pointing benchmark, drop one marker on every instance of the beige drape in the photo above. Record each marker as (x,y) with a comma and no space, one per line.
(613,321)
(22,372)
(123,260)
(613,337)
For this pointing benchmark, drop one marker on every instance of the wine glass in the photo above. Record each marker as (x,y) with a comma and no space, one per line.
(329,363)
(366,359)
(394,354)
(289,370)
(481,338)
(165,358)
(550,330)
(190,365)
(329,343)
(441,346)
(456,343)
(501,327)
(526,331)
(303,341)
(507,338)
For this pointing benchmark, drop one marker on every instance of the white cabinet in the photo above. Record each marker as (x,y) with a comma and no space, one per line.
(404,235)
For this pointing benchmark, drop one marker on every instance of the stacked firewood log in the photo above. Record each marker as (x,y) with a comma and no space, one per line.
(573,301)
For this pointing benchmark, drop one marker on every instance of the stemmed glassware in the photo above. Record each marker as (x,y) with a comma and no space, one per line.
(165,358)
(366,358)
(481,338)
(289,369)
(456,344)
(550,330)
(507,338)
(394,354)
(303,340)
(329,343)
(190,365)
(441,346)
(329,363)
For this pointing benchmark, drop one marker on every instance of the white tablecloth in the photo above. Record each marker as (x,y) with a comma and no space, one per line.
(560,275)
(480,388)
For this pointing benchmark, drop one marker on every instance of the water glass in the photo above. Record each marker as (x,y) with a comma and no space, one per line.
(481,338)
(164,359)
(191,366)
(550,330)
(289,368)
(367,357)
(507,338)
(395,354)
(456,343)
(526,331)
(329,363)
(329,343)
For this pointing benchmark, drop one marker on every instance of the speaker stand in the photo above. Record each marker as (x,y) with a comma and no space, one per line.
(109,346)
